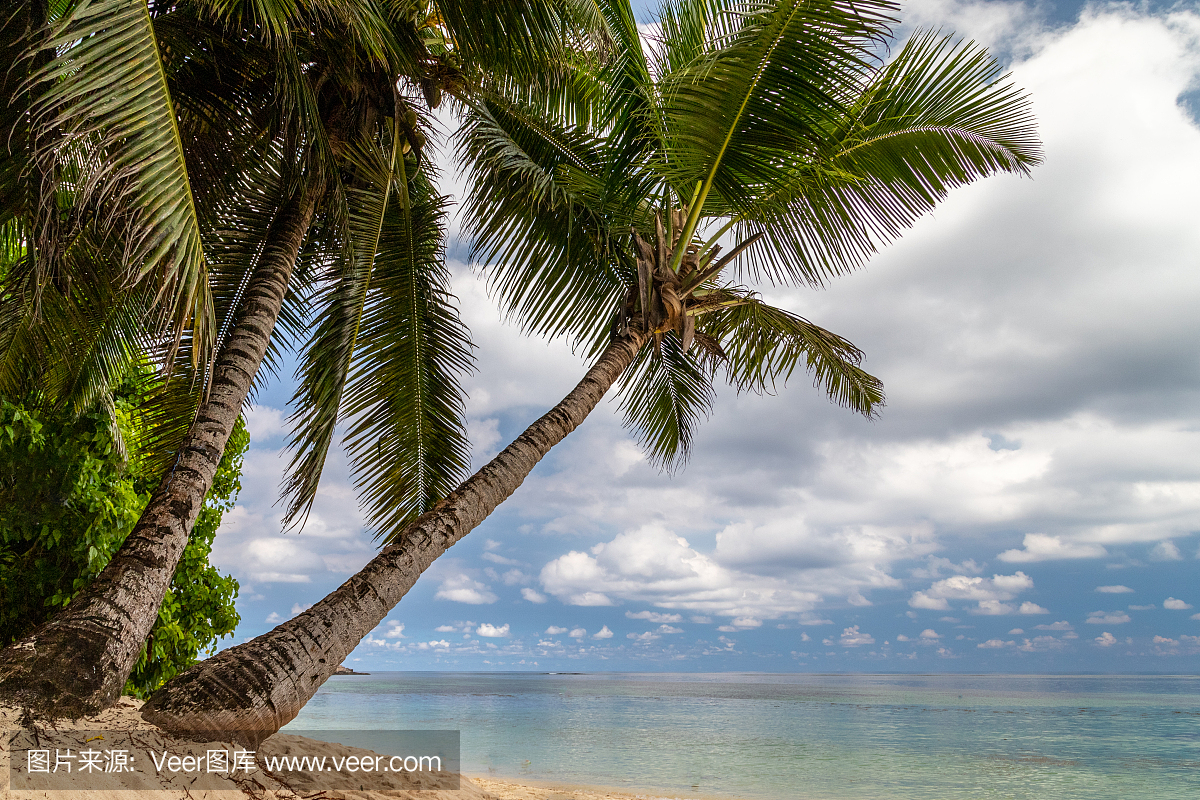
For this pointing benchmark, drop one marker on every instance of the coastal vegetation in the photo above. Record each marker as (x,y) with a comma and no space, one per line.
(71,488)
(190,176)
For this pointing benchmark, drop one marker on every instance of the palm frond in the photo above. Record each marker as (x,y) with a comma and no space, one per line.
(407,438)
(940,115)
(330,351)
(665,394)
(765,79)
(764,345)
(554,260)
(108,97)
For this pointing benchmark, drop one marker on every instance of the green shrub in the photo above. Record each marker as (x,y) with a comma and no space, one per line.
(68,499)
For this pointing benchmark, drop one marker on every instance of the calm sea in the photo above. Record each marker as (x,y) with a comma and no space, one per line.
(795,737)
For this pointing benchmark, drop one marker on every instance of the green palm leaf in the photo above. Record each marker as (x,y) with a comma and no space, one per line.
(764,345)
(108,95)
(330,351)
(406,438)
(938,116)
(665,395)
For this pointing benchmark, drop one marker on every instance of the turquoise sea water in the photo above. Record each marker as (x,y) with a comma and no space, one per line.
(794,737)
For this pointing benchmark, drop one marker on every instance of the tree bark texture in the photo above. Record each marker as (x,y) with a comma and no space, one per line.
(77,663)
(255,688)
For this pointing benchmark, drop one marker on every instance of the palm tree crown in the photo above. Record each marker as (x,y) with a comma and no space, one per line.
(780,124)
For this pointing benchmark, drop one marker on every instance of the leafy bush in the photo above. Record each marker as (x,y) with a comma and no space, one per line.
(68,498)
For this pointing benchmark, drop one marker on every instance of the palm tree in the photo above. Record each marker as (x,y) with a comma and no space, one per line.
(262,163)
(776,121)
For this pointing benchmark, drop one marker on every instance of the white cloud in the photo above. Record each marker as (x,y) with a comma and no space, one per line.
(648,636)
(988,593)
(496,558)
(1118,589)
(1061,625)
(994,644)
(555,630)
(852,637)
(1032,608)
(462,588)
(603,633)
(1145,607)
(264,422)
(1040,547)
(654,616)
(1044,386)
(490,631)
(395,631)
(446,628)
(1016,632)
(923,600)
(1106,639)
(669,629)
(930,633)
(577,633)
(1165,551)
(300,607)
(274,618)
(532,595)
(1107,618)
(650,564)
(1176,605)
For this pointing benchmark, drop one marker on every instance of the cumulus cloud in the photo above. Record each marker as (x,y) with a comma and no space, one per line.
(1106,639)
(1176,605)
(651,564)
(395,630)
(1107,618)
(462,588)
(532,595)
(853,637)
(555,630)
(989,594)
(1165,551)
(577,633)
(1061,625)
(491,631)
(1118,589)
(994,644)
(603,633)
(1040,547)
(1032,608)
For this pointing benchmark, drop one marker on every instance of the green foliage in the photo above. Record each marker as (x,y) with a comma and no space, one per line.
(68,499)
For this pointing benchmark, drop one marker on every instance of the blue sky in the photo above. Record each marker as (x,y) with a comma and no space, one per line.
(1029,500)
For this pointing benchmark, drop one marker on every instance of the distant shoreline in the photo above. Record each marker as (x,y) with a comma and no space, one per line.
(347,671)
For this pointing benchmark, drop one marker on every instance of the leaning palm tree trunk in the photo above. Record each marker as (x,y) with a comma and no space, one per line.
(253,689)
(78,662)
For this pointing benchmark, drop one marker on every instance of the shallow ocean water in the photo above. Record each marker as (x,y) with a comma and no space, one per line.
(800,736)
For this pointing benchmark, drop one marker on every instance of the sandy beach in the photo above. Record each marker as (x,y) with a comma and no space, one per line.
(123,723)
